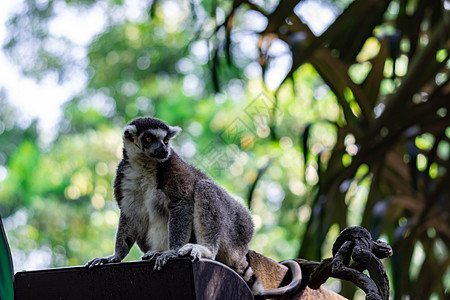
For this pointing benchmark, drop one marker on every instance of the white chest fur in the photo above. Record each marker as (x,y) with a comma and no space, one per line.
(146,208)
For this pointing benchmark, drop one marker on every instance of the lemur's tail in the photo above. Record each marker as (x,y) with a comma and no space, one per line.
(250,278)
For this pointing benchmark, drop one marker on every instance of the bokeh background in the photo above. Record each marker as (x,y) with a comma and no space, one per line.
(317,114)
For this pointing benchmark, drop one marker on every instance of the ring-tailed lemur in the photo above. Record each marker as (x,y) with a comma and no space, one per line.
(171,209)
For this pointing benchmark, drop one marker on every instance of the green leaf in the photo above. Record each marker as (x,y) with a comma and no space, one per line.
(372,83)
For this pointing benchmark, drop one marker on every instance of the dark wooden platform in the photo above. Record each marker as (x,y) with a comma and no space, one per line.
(180,279)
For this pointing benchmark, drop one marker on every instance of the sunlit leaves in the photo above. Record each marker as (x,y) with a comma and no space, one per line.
(58,189)
(397,59)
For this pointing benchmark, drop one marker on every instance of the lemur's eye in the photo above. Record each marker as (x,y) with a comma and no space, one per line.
(165,141)
(148,139)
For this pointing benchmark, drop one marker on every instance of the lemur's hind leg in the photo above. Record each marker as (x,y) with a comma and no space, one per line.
(207,223)
(212,230)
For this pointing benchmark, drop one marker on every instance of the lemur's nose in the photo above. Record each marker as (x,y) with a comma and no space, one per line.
(161,152)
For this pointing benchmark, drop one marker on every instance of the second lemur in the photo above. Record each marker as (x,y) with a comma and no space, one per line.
(171,209)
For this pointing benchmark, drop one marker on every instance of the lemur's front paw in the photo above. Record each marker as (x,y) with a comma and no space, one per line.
(151,255)
(101,261)
(195,251)
(163,257)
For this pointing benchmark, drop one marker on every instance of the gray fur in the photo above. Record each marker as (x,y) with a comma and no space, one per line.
(170,209)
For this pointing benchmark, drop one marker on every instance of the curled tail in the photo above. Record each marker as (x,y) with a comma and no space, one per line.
(250,278)
(270,275)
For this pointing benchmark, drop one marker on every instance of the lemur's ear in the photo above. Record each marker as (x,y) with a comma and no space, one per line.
(173,131)
(129,132)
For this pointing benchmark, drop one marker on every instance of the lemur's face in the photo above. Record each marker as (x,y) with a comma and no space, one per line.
(148,138)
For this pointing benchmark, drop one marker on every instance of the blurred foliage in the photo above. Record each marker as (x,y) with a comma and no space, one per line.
(356,134)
